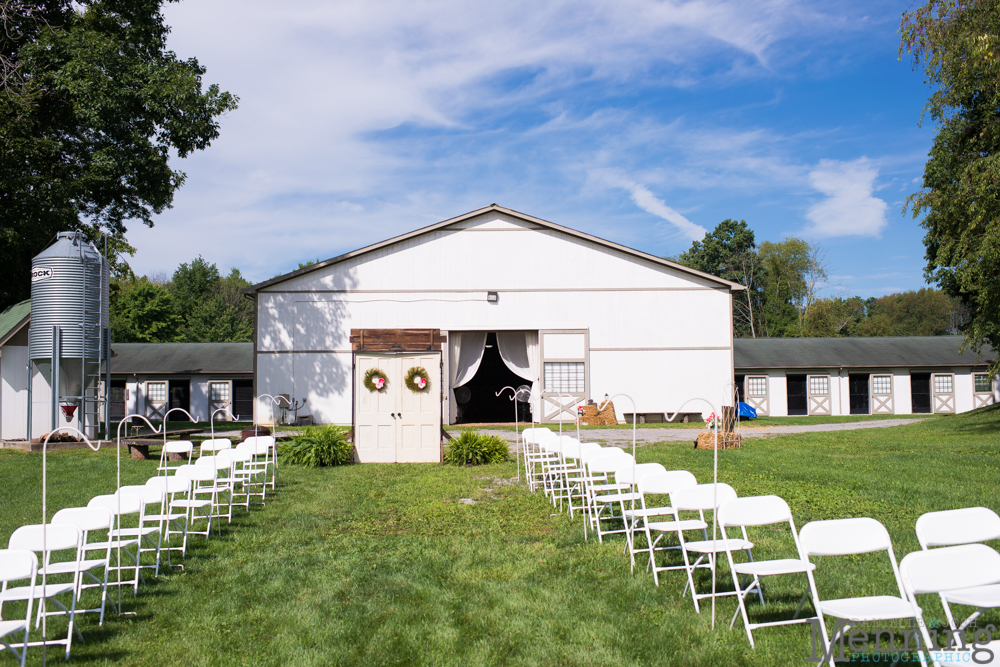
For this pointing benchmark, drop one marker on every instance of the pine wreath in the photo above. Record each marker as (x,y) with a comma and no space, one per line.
(416,379)
(372,376)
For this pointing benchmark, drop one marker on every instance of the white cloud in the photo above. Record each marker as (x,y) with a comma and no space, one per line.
(650,203)
(850,208)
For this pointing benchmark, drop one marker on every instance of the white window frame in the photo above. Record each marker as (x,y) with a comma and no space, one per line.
(552,404)
(214,404)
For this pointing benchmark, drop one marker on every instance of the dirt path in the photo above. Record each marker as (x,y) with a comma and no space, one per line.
(645,436)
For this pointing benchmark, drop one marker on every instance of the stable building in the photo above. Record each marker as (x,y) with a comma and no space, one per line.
(490,299)
(861,376)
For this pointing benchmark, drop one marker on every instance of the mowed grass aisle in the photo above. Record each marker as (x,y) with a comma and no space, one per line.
(380,564)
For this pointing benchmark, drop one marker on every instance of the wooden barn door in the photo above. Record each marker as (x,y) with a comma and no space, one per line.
(419,413)
(375,411)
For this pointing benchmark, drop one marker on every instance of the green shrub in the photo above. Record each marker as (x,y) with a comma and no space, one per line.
(317,446)
(475,449)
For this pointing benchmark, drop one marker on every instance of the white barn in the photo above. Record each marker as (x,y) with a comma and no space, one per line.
(487,299)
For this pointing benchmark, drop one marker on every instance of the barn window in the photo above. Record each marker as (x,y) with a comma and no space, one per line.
(565,377)
(219,391)
(881,385)
(156,392)
(757,386)
(983,385)
(819,385)
(943,384)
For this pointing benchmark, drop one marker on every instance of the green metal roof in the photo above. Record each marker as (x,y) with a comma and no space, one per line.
(152,358)
(11,317)
(881,352)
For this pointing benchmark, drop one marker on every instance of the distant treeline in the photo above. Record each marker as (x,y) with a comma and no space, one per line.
(783,280)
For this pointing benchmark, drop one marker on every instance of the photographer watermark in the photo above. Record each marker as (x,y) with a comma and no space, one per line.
(877,643)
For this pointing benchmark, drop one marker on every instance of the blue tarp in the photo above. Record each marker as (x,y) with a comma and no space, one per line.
(746,412)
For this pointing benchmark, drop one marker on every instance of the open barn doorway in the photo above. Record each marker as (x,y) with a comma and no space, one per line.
(477,402)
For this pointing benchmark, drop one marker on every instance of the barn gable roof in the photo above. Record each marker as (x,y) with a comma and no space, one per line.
(13,318)
(252,290)
(876,352)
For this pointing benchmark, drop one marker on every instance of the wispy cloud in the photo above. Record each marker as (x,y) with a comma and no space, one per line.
(650,203)
(850,208)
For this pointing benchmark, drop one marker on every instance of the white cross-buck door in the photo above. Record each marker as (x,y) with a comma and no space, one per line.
(396,424)
(943,392)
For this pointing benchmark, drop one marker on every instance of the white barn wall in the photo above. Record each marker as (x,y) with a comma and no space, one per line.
(901,391)
(14,391)
(635,310)
(777,393)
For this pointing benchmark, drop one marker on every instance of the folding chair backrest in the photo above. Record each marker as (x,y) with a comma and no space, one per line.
(17,564)
(178,447)
(170,484)
(658,483)
(842,537)
(950,568)
(570,447)
(86,518)
(702,497)
(630,471)
(208,460)
(151,495)
(261,442)
(961,526)
(58,536)
(125,503)
(551,444)
(534,435)
(609,461)
(197,473)
(588,449)
(216,445)
(224,459)
(754,511)
(241,455)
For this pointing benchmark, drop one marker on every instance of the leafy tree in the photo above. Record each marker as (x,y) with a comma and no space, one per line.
(92,105)
(143,312)
(925,312)
(192,283)
(729,252)
(225,316)
(833,317)
(957,42)
(786,266)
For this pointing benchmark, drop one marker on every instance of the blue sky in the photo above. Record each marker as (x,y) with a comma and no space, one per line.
(638,121)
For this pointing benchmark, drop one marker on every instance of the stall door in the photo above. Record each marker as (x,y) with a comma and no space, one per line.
(819,395)
(396,424)
(943,386)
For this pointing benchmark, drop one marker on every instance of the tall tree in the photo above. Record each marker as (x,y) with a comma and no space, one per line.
(786,264)
(730,252)
(225,315)
(958,42)
(92,104)
(192,283)
(143,312)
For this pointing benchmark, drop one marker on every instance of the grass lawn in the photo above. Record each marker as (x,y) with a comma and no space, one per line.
(381,565)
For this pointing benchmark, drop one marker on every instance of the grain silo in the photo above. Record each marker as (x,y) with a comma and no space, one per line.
(68,342)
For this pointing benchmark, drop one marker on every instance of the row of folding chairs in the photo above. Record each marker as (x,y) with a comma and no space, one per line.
(611,491)
(108,538)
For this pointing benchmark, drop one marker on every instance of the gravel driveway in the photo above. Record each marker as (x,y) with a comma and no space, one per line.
(645,436)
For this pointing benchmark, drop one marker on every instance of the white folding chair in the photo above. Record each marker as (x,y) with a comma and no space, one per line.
(604,496)
(968,574)
(955,527)
(223,463)
(533,455)
(150,531)
(88,520)
(180,447)
(17,565)
(663,483)
(120,541)
(266,457)
(702,498)
(214,446)
(630,502)
(201,497)
(171,521)
(253,473)
(761,511)
(242,474)
(847,537)
(57,537)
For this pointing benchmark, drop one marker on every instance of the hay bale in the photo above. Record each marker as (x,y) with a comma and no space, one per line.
(606,417)
(726,441)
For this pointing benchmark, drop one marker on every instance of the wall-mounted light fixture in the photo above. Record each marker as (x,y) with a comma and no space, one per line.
(492,297)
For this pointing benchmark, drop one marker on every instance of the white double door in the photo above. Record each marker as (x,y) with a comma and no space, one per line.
(396,424)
